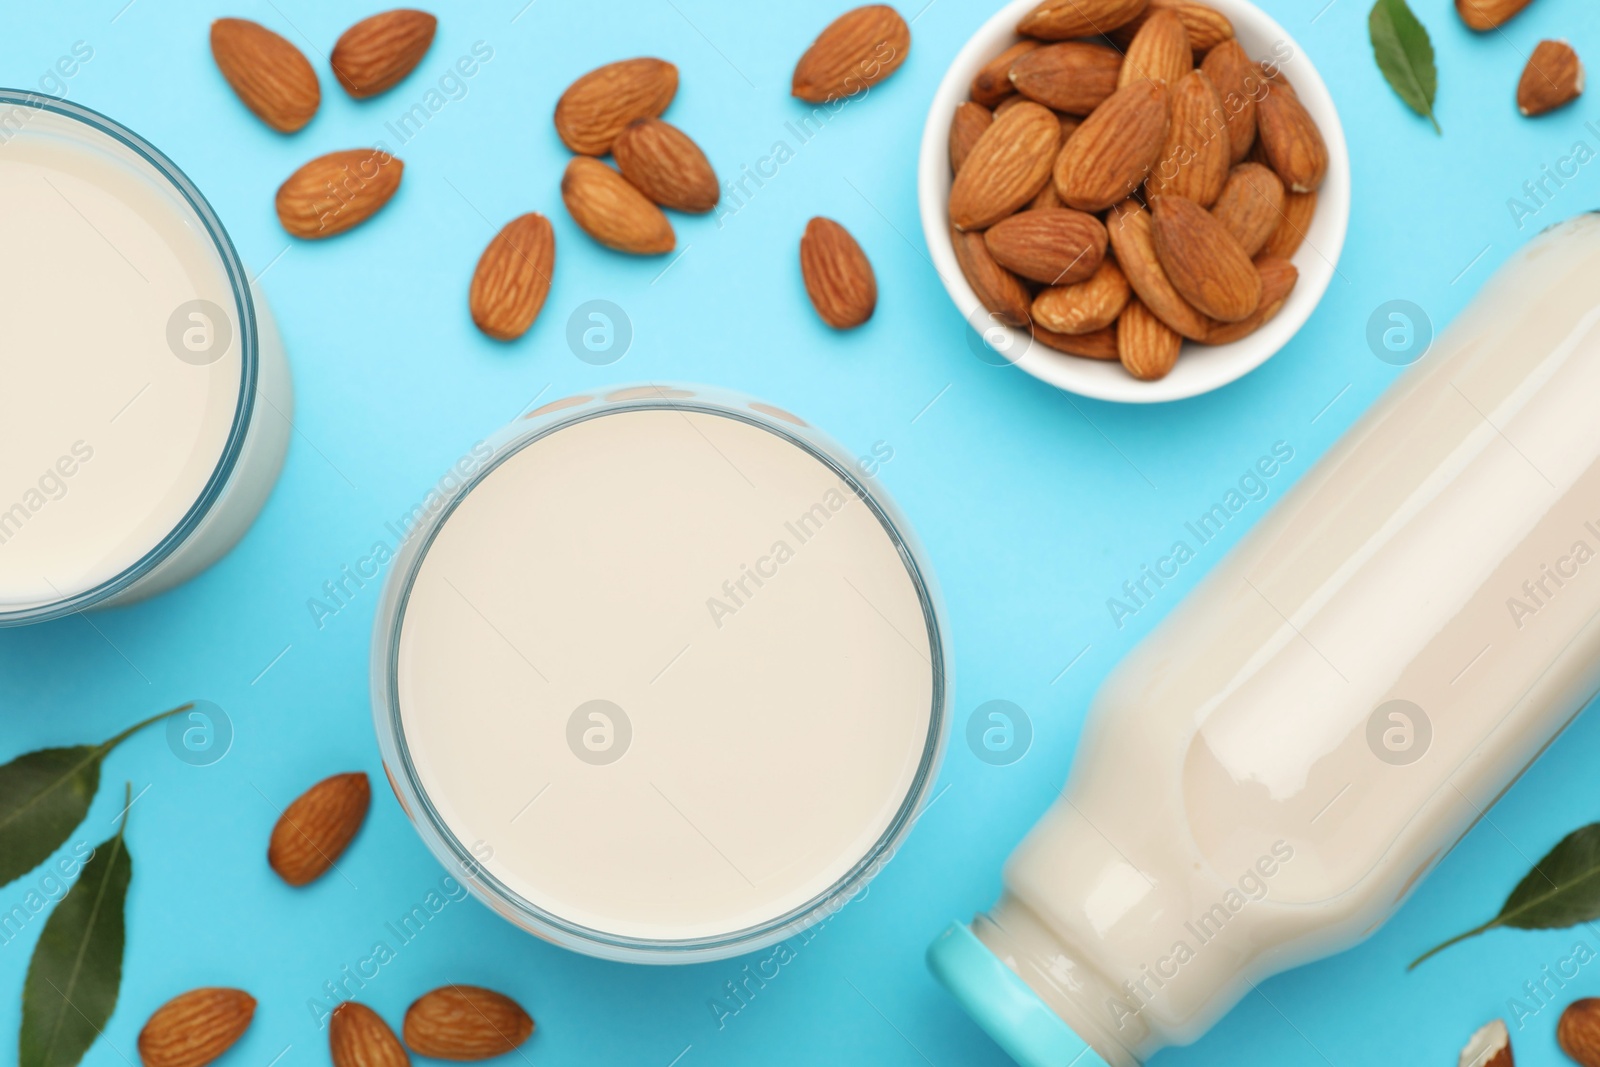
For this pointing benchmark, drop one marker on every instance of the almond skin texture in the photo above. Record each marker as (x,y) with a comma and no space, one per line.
(271,76)
(1238,84)
(358,1037)
(513,277)
(1194,161)
(376,54)
(338,191)
(1147,347)
(1074,76)
(1293,144)
(999,291)
(1062,20)
(1204,262)
(1085,307)
(317,827)
(857,51)
(597,107)
(464,1022)
(1251,206)
(1579,1031)
(966,126)
(992,83)
(1112,152)
(1006,168)
(1483,15)
(194,1028)
(837,274)
(1207,26)
(1298,208)
(1100,344)
(1159,51)
(666,165)
(607,207)
(1132,237)
(1278,278)
(1552,79)
(1056,246)
(1045,199)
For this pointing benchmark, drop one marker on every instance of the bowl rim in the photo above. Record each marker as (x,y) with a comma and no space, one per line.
(1196,374)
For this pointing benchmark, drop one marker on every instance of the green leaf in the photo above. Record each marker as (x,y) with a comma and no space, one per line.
(44,795)
(1562,890)
(76,968)
(1405,56)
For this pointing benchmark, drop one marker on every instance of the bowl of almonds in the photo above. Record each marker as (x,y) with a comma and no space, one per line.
(1134,200)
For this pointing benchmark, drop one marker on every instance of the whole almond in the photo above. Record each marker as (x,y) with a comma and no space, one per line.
(358,1037)
(271,76)
(464,1022)
(1099,344)
(1207,26)
(1006,168)
(857,51)
(315,829)
(1298,209)
(666,165)
(1062,20)
(1553,78)
(1088,306)
(1159,51)
(1129,230)
(607,207)
(338,191)
(1579,1031)
(597,107)
(992,83)
(1112,152)
(1251,205)
(377,53)
(1147,346)
(1488,14)
(1238,83)
(1278,278)
(1291,140)
(837,274)
(194,1028)
(513,277)
(966,126)
(1073,76)
(1204,262)
(999,291)
(1194,160)
(1056,246)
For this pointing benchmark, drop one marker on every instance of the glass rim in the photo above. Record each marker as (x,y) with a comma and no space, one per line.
(249,352)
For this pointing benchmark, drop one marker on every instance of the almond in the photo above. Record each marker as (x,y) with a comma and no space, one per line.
(1129,230)
(1112,152)
(998,290)
(1008,103)
(513,277)
(837,274)
(271,76)
(377,53)
(607,207)
(1490,1046)
(464,1022)
(1147,346)
(1045,199)
(1203,261)
(1085,307)
(1194,161)
(992,83)
(338,191)
(857,51)
(1488,14)
(1074,76)
(666,165)
(1579,1031)
(1251,205)
(1062,20)
(1291,140)
(1278,278)
(1207,26)
(1100,344)
(1159,51)
(597,107)
(358,1037)
(196,1027)
(1006,168)
(1056,246)
(1238,84)
(1298,209)
(966,126)
(316,828)
(1553,78)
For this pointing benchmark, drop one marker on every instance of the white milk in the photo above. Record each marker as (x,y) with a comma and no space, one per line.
(1269,773)
(134,449)
(662,679)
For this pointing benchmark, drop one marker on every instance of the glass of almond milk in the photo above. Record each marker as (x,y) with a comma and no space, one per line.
(146,400)
(664,678)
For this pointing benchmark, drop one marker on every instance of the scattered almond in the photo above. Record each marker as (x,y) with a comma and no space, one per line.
(1062,20)
(1194,160)
(1007,166)
(1553,78)
(1291,140)
(513,277)
(1489,1047)
(377,53)
(1073,76)
(464,1022)
(1251,205)
(1112,152)
(1488,14)
(857,51)
(1159,51)
(666,165)
(1278,278)
(1088,306)
(338,191)
(607,207)
(597,107)
(271,76)
(1129,230)
(315,829)
(992,83)
(194,1028)
(358,1037)
(1204,262)
(1238,82)
(1298,209)
(966,126)
(1100,344)
(1056,246)
(1147,346)
(1207,26)
(837,274)
(1579,1031)
(997,289)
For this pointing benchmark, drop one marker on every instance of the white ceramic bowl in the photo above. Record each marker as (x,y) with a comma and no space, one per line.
(1200,368)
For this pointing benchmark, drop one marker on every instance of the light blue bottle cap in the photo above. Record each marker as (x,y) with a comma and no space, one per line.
(1004,1006)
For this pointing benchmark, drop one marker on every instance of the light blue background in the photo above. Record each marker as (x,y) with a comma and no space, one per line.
(1034,506)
